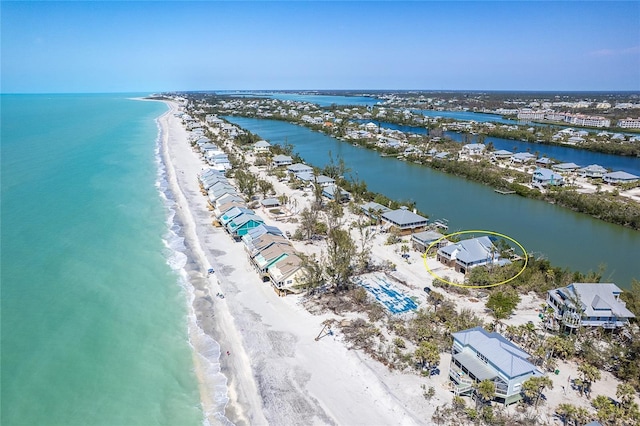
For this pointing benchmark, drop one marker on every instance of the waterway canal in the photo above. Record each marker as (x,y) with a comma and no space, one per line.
(568,239)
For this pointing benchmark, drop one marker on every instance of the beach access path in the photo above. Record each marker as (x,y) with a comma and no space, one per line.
(278,373)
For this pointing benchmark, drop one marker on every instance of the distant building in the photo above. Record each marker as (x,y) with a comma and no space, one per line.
(282,160)
(629,123)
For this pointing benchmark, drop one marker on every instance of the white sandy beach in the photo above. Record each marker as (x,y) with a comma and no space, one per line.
(278,373)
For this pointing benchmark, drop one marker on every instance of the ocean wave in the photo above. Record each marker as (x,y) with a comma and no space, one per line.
(206,349)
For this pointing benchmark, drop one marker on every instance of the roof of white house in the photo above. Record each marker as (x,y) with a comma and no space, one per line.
(299,167)
(545,160)
(425,237)
(472,250)
(500,352)
(523,156)
(502,152)
(594,168)
(547,174)
(262,144)
(566,166)
(281,157)
(621,175)
(373,207)
(597,299)
(404,216)
(474,147)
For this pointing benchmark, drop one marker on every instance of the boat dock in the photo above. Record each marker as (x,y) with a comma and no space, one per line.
(504,191)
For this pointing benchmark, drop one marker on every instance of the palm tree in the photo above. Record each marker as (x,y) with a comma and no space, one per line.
(485,390)
(588,374)
(567,412)
(427,354)
(534,386)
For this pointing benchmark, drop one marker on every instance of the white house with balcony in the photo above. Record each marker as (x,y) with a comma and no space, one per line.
(588,305)
(478,355)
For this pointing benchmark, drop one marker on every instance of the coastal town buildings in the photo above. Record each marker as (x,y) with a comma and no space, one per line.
(629,123)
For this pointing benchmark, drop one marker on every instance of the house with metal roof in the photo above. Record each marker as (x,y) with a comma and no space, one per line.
(544,177)
(467,254)
(261,147)
(310,179)
(544,161)
(259,231)
(619,177)
(588,305)
(232,213)
(593,171)
(333,191)
(282,160)
(522,157)
(373,210)
(225,207)
(478,355)
(270,255)
(299,168)
(565,167)
(240,225)
(404,220)
(422,240)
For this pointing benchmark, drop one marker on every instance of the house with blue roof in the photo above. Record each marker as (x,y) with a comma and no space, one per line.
(588,305)
(620,177)
(240,225)
(467,254)
(544,177)
(404,220)
(232,213)
(478,355)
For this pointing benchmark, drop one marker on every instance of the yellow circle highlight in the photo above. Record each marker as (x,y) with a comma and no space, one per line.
(524,254)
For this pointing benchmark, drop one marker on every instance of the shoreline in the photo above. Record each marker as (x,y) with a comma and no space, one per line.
(277,372)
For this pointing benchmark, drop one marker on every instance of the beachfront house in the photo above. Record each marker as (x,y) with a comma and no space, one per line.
(241,224)
(404,221)
(282,160)
(261,147)
(286,275)
(333,192)
(270,255)
(478,355)
(422,240)
(259,231)
(588,305)
(253,246)
(619,177)
(222,208)
(544,177)
(593,171)
(232,213)
(467,254)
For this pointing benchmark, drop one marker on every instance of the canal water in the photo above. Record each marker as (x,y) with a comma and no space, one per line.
(566,238)
(563,154)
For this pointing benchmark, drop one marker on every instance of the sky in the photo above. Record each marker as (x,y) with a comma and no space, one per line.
(65,47)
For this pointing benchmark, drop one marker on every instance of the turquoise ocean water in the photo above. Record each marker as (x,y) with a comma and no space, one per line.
(94,319)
